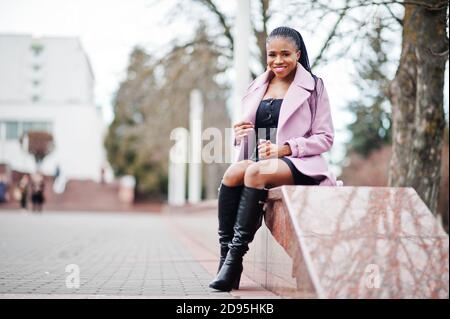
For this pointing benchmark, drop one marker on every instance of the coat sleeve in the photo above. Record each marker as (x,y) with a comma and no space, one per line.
(247,92)
(322,131)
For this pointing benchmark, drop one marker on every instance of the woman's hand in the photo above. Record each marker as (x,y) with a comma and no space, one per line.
(266,149)
(241,129)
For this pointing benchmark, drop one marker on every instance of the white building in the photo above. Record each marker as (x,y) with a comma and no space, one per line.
(47,84)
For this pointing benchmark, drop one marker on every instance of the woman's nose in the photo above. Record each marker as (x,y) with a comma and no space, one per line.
(278,60)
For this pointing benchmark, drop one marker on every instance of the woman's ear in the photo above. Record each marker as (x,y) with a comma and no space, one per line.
(298,54)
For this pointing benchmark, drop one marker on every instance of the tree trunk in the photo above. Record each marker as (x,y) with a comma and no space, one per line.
(417,101)
(261,36)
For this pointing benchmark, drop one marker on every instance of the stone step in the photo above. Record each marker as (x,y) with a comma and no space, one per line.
(85,195)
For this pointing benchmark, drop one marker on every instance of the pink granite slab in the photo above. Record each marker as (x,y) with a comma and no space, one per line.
(360,242)
(268,263)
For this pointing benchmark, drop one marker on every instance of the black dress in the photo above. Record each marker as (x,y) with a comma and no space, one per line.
(266,124)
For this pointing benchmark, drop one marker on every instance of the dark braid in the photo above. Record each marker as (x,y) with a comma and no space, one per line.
(297,39)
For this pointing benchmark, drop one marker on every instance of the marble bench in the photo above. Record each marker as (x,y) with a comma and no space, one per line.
(349,242)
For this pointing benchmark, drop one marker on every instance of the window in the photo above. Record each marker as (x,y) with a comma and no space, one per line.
(37,48)
(36,126)
(15,129)
(36,82)
(12,130)
(36,67)
(35,98)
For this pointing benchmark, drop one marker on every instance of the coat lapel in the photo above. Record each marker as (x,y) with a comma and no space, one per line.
(294,98)
(253,102)
(299,90)
(254,96)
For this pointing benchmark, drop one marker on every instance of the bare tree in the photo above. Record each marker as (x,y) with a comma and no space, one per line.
(417,99)
(40,144)
(153,100)
(416,92)
(323,19)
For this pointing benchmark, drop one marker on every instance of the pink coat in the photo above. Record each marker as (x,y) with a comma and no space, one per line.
(294,123)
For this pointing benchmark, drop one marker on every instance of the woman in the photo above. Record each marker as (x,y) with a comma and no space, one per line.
(23,186)
(287,110)
(37,191)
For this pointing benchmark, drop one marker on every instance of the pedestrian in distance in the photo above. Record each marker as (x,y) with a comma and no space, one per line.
(23,189)
(37,192)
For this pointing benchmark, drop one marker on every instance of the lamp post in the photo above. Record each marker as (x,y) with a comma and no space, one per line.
(241,57)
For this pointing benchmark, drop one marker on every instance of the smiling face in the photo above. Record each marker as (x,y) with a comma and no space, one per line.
(282,56)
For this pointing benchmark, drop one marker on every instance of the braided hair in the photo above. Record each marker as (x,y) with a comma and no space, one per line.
(296,38)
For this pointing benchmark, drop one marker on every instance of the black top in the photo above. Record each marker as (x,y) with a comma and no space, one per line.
(266,121)
(267,115)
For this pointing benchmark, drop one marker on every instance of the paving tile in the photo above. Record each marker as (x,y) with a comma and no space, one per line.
(114,254)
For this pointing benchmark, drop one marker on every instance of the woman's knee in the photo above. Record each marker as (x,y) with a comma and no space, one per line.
(252,173)
(262,173)
(234,175)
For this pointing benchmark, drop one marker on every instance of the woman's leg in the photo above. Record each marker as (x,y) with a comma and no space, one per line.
(234,175)
(229,196)
(23,201)
(249,216)
(268,173)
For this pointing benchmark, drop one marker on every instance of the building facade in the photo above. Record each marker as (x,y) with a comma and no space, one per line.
(47,84)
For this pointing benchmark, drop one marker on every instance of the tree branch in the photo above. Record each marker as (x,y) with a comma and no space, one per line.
(439,54)
(330,37)
(438,6)
(227,30)
(400,21)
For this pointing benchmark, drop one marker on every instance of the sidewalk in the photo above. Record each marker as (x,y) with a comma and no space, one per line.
(119,255)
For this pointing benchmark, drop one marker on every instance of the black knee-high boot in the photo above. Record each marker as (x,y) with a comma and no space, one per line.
(228,203)
(248,220)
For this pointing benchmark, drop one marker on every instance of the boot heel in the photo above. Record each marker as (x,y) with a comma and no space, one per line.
(236,282)
(229,276)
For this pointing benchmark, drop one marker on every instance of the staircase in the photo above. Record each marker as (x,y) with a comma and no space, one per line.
(85,195)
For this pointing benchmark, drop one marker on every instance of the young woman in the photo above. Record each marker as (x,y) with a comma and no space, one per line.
(288,118)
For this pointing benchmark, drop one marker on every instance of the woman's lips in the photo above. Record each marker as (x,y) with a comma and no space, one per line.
(279,68)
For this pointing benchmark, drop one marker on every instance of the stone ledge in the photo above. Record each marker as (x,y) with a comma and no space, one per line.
(350,242)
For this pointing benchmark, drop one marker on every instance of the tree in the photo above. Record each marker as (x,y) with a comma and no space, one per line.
(372,126)
(373,171)
(417,100)
(40,144)
(416,93)
(153,100)
(339,25)
(123,141)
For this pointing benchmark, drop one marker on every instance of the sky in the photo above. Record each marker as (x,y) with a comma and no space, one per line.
(109,29)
